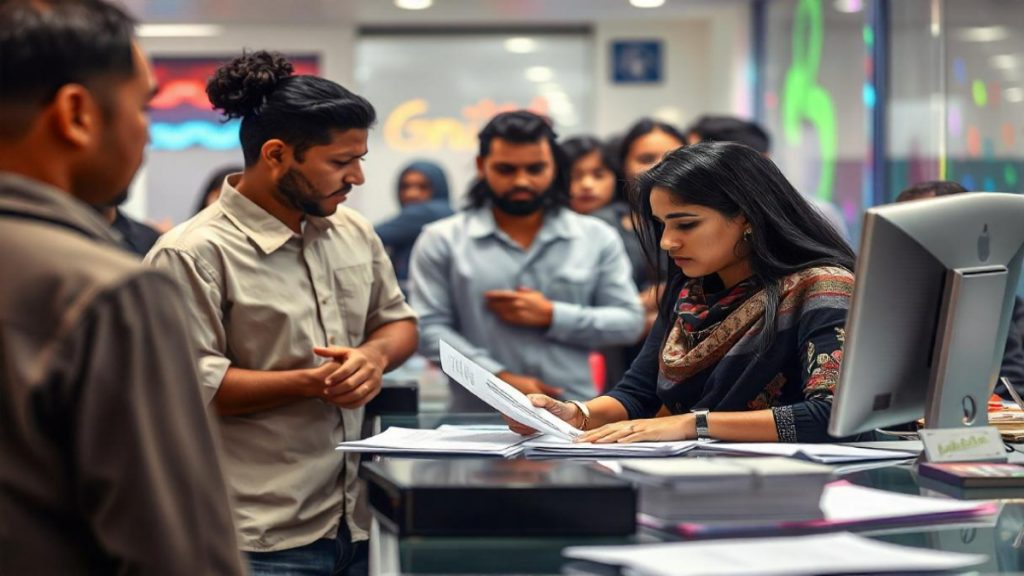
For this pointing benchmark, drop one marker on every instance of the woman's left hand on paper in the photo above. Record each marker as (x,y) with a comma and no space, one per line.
(668,428)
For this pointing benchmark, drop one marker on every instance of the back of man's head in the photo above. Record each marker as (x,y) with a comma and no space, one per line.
(47,44)
(519,127)
(930,189)
(72,96)
(731,129)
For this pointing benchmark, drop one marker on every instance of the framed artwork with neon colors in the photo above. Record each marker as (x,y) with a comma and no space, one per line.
(181,116)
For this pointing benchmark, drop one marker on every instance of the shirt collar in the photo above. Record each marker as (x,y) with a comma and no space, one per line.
(35,199)
(558,223)
(265,230)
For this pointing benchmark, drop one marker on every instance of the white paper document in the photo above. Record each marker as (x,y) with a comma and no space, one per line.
(845,502)
(847,506)
(501,396)
(821,453)
(547,446)
(835,553)
(448,441)
(550,447)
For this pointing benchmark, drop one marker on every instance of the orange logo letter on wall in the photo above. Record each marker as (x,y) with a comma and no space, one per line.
(407,129)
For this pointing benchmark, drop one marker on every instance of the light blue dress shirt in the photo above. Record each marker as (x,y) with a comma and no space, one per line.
(577,262)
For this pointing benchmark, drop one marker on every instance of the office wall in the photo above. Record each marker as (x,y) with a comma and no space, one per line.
(707,69)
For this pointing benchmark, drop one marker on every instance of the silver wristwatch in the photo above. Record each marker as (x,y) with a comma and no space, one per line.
(701,417)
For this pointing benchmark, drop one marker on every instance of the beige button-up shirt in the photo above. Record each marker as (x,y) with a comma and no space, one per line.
(261,298)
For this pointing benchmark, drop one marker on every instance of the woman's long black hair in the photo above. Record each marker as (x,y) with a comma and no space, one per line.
(788,234)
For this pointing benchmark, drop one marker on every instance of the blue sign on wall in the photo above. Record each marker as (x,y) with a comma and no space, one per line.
(636,61)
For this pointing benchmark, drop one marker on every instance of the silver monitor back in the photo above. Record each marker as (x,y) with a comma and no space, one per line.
(935,282)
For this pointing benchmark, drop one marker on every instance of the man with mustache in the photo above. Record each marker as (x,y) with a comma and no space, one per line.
(518,282)
(296,312)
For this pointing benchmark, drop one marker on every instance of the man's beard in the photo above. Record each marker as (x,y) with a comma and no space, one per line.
(536,201)
(298,192)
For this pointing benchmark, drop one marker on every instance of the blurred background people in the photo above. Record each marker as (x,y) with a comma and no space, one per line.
(596,188)
(748,133)
(135,236)
(930,189)
(517,282)
(645,144)
(211,189)
(423,198)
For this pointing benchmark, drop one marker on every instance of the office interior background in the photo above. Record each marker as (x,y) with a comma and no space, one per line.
(861,97)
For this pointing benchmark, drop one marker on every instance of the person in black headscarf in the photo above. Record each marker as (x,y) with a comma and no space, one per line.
(423,195)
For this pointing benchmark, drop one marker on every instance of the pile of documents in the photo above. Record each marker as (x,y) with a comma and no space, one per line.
(553,447)
(446,441)
(820,453)
(1009,422)
(475,440)
(726,489)
(840,553)
(846,506)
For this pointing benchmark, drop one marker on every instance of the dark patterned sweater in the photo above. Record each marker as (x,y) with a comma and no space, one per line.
(712,362)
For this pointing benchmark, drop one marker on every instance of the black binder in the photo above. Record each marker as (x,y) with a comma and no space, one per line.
(474,497)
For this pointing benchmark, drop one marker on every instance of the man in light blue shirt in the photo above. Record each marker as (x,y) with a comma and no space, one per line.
(518,283)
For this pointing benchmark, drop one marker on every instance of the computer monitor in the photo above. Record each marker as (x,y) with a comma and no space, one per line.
(935,283)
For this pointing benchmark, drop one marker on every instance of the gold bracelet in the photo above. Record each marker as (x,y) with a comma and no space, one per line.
(584,411)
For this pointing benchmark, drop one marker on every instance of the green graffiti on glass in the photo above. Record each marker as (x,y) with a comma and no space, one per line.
(980,93)
(803,99)
(1010,175)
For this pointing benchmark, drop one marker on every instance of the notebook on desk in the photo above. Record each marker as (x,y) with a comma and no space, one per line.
(975,474)
(728,489)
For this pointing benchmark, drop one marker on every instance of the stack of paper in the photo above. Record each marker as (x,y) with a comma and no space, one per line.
(728,489)
(821,453)
(841,553)
(396,440)
(847,506)
(553,447)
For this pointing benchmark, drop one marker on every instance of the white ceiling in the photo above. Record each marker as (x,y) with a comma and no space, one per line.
(383,13)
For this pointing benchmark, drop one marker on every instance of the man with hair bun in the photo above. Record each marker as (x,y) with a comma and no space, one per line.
(296,313)
(107,461)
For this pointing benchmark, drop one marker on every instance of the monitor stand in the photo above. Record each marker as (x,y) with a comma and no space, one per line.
(956,413)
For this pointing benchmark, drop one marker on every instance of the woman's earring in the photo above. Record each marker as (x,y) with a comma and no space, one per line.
(748,235)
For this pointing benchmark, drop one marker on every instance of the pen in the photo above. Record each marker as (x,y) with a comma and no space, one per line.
(1012,391)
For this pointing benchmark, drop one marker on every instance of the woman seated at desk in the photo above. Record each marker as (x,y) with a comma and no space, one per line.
(749,336)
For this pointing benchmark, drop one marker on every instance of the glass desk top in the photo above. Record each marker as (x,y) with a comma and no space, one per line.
(1002,543)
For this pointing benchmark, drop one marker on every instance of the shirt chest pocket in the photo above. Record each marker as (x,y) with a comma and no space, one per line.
(571,288)
(354,286)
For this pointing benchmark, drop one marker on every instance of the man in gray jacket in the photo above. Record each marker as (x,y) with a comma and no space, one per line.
(107,462)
